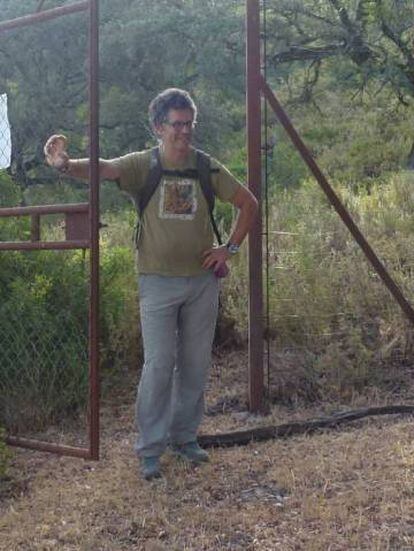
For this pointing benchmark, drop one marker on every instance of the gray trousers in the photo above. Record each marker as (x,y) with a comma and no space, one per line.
(178,318)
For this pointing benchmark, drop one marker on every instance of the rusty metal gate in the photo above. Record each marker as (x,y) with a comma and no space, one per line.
(80,232)
(259,90)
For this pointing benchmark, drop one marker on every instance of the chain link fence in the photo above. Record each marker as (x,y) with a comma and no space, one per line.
(334,331)
(43,339)
(45,292)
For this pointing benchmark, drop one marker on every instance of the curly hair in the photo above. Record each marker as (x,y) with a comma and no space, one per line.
(171,98)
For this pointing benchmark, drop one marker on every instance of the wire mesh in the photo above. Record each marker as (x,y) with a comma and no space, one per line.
(334,329)
(43,340)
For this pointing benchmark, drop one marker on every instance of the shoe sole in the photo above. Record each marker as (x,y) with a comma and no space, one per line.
(192,461)
(151,476)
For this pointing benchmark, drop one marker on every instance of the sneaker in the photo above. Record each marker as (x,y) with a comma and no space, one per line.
(191,452)
(150,467)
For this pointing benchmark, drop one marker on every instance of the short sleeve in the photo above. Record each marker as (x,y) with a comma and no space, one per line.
(224,183)
(134,169)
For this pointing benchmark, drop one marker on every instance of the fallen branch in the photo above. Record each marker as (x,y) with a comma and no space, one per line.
(243,437)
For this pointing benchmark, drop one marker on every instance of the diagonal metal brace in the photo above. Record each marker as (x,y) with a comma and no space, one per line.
(335,201)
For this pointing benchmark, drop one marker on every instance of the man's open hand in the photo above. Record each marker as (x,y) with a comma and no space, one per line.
(55,151)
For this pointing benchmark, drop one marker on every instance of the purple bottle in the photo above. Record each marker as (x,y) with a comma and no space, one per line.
(221,271)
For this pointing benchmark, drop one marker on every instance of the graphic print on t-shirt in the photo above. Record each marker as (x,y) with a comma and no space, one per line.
(178,199)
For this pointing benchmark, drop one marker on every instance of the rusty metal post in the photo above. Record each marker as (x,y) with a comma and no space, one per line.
(94,386)
(35,228)
(254,129)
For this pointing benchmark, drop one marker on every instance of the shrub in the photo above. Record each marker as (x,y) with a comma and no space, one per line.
(43,337)
(44,331)
(334,327)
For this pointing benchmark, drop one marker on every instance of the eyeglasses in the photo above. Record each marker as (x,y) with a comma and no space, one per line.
(180,125)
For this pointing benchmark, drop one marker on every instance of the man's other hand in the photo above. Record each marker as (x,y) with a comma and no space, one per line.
(215,258)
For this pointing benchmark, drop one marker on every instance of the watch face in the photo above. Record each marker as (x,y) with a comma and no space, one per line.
(233,249)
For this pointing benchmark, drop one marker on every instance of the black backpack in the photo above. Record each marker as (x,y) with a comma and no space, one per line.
(202,172)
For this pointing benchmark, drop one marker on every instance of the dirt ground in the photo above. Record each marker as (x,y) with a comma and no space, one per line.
(351,488)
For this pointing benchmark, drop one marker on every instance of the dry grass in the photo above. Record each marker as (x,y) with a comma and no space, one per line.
(339,490)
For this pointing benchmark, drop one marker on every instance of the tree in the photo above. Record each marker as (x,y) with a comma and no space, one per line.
(145,46)
(376,36)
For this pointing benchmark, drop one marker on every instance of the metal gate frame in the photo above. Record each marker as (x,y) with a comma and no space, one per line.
(256,88)
(82,226)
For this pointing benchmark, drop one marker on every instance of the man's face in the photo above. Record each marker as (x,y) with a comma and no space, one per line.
(177,129)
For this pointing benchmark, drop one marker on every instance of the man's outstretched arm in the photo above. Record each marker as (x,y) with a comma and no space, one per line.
(57,157)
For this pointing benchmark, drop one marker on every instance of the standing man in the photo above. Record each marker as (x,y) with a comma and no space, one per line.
(178,266)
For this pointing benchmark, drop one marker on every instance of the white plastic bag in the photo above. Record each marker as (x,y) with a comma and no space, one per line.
(5,137)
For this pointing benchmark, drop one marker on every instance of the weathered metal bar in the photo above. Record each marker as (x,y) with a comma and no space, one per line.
(76,226)
(46,15)
(243,437)
(43,245)
(74,213)
(336,203)
(47,447)
(44,209)
(35,228)
(94,384)
(253,105)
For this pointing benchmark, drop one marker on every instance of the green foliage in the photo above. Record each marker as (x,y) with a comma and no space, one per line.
(43,352)
(10,193)
(44,331)
(44,72)
(344,69)
(370,41)
(60,191)
(285,166)
(10,196)
(356,143)
(119,310)
(334,328)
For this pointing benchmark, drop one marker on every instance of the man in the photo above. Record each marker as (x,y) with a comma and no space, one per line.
(177,271)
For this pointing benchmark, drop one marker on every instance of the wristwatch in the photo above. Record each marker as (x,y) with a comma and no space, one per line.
(232,248)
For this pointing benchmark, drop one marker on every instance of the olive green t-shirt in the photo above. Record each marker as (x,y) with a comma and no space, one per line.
(175,228)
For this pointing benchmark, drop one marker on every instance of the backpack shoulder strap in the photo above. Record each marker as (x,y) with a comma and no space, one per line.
(152,181)
(204,174)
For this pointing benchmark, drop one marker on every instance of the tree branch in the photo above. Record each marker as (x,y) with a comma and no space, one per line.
(296,53)
(343,16)
(390,34)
